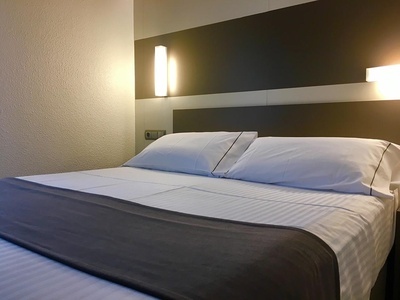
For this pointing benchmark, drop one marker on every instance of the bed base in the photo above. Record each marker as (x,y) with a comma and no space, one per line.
(391,278)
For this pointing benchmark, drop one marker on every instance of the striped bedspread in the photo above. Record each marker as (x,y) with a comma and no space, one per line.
(358,228)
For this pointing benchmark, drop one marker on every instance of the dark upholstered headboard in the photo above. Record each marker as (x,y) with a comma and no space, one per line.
(367,119)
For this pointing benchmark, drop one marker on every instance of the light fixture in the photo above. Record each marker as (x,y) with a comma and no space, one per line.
(385,73)
(160,71)
(386,80)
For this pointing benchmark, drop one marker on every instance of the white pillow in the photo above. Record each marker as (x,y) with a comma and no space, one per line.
(202,153)
(351,165)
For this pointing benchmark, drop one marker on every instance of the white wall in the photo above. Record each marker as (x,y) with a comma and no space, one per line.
(66,85)
(156,17)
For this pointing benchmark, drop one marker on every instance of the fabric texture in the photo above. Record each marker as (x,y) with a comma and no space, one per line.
(201,153)
(350,165)
(359,228)
(131,245)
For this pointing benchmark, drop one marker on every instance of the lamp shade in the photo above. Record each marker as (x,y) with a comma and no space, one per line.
(384,73)
(160,71)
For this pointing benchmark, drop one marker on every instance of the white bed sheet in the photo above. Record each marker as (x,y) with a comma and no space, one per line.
(358,228)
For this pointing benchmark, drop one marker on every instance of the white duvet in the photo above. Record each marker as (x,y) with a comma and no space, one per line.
(358,228)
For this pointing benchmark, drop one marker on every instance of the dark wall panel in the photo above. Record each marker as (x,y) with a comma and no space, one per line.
(318,43)
(372,119)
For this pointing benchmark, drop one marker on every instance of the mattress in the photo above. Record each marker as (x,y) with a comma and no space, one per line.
(358,228)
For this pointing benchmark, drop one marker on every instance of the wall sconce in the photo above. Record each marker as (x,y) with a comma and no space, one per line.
(387,80)
(160,71)
(385,73)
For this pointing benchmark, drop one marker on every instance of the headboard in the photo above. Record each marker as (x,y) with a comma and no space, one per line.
(367,119)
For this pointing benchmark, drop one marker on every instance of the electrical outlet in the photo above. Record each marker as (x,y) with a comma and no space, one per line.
(154,134)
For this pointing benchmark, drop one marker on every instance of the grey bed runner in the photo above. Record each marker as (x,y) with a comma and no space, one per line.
(167,254)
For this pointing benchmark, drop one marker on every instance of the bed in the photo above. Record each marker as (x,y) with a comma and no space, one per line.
(356,221)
